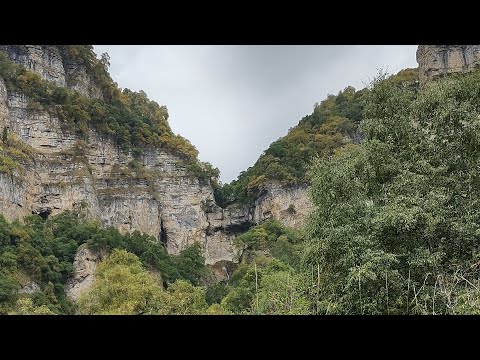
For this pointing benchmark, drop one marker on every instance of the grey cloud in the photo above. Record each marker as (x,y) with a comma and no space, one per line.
(231,102)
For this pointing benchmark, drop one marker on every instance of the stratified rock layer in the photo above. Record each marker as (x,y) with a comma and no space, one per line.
(66,173)
(438,60)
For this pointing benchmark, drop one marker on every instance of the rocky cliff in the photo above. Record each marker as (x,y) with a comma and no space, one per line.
(60,171)
(85,264)
(48,62)
(438,60)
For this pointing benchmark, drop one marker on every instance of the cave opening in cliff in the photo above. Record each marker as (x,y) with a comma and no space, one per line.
(238,228)
(163,235)
(44,214)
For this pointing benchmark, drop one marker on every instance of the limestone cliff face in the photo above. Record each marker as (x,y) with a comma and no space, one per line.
(66,173)
(290,206)
(438,60)
(94,177)
(48,62)
(84,265)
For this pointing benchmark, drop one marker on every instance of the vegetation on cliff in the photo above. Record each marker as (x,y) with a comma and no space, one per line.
(333,123)
(128,117)
(394,228)
(123,286)
(42,251)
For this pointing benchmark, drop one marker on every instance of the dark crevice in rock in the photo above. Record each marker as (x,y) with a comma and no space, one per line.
(44,214)
(238,228)
(163,237)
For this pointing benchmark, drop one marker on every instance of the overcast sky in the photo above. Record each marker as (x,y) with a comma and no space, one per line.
(231,102)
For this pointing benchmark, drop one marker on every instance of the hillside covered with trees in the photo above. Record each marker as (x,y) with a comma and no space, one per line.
(333,123)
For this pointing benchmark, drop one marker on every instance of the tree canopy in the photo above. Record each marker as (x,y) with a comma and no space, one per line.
(395,227)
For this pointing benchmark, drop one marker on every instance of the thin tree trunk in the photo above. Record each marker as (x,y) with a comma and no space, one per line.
(256,287)
(386,286)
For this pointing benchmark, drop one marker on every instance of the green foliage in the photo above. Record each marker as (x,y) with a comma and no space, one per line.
(216,292)
(204,171)
(241,290)
(270,254)
(182,298)
(45,251)
(122,286)
(189,264)
(395,223)
(271,236)
(8,287)
(25,306)
(216,309)
(14,154)
(333,123)
(265,285)
(281,293)
(8,165)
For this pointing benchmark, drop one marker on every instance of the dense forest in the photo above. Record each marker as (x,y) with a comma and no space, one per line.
(395,228)
(138,276)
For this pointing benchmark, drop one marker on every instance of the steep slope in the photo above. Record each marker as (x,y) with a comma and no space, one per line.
(76,142)
(276,185)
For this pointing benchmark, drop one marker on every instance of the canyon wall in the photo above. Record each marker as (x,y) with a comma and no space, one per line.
(93,176)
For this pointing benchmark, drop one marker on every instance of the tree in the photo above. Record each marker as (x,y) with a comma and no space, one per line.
(122,286)
(216,309)
(8,287)
(397,216)
(182,298)
(191,263)
(280,294)
(25,306)
(5,135)
(105,60)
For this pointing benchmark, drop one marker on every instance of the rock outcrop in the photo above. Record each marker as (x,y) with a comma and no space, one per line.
(438,60)
(48,62)
(63,172)
(84,266)
(290,205)
(27,284)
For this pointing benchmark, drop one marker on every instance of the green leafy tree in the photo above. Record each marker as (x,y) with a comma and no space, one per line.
(122,286)
(5,135)
(281,294)
(216,309)
(395,217)
(25,306)
(182,298)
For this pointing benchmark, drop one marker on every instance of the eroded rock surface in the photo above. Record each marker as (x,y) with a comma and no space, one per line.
(438,60)
(84,265)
